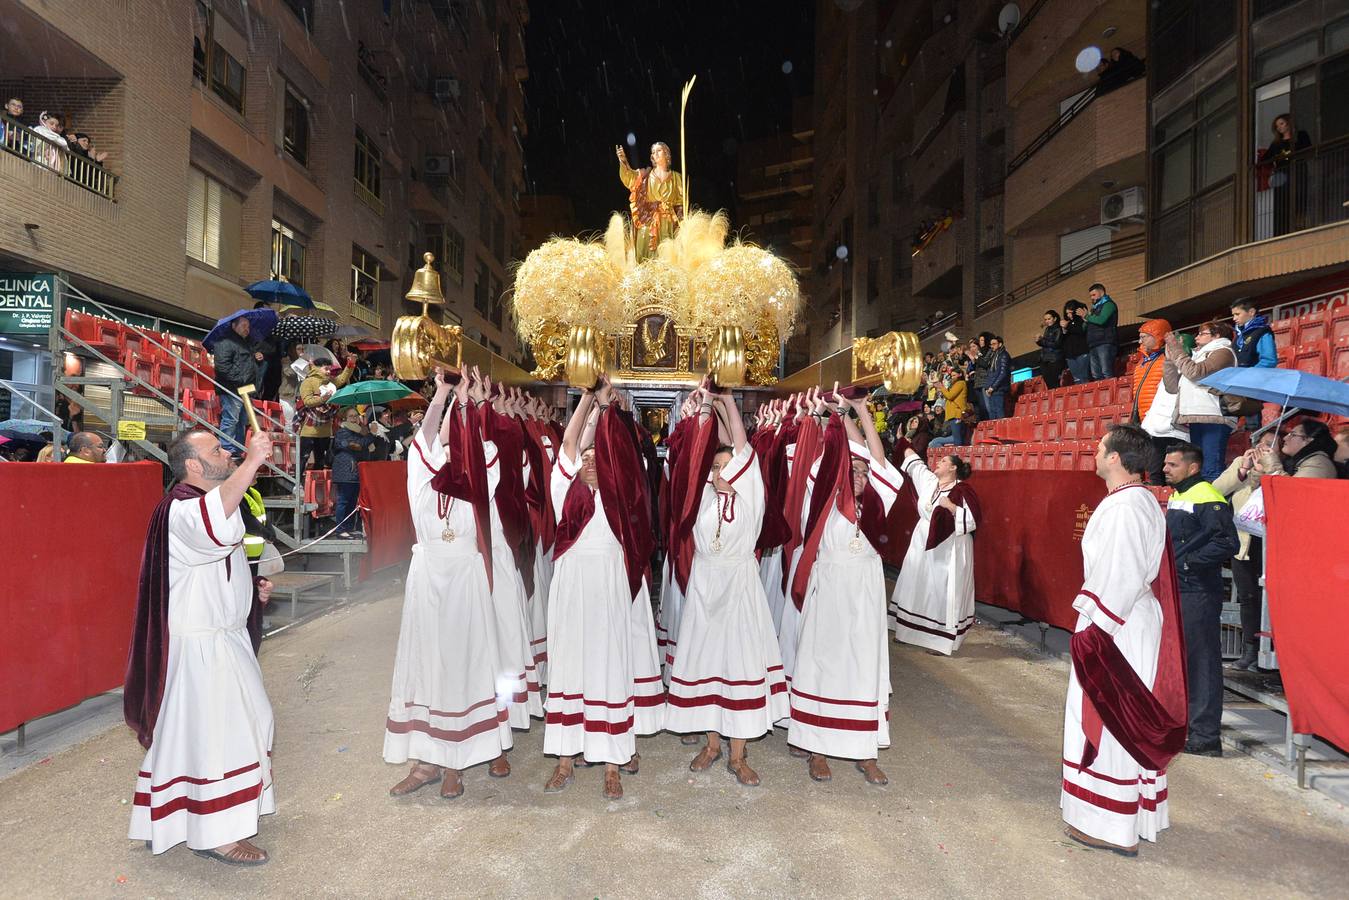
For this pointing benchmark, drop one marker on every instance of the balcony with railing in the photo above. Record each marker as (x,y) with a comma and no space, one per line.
(1304,190)
(1059,172)
(1118,249)
(937,169)
(27,144)
(937,269)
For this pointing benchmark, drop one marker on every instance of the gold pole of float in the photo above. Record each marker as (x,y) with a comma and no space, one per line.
(245,394)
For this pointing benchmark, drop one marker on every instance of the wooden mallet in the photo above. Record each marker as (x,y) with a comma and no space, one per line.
(245,394)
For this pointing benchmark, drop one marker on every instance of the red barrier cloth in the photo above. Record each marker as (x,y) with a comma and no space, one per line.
(71,559)
(1307,573)
(1028,548)
(389,534)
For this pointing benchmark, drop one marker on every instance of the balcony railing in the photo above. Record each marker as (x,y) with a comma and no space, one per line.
(23,141)
(1058,125)
(365,314)
(1129,246)
(1300,191)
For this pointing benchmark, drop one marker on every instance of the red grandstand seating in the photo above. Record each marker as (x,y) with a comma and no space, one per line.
(204,404)
(1339,358)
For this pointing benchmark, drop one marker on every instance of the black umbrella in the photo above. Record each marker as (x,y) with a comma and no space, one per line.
(302,330)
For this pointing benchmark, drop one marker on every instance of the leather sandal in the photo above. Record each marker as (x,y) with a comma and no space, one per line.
(742,772)
(872,774)
(797,752)
(243,853)
(413,782)
(452,786)
(1095,844)
(819,768)
(630,767)
(613,786)
(689,740)
(704,760)
(500,767)
(558,781)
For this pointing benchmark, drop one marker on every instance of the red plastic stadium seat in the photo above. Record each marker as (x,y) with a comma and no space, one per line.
(1339,359)
(1284,332)
(202,404)
(1339,322)
(1313,327)
(1312,357)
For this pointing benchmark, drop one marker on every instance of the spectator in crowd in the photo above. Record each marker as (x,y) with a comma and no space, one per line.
(352,444)
(1342,450)
(81,144)
(1075,351)
(918,431)
(14,111)
(1199,409)
(1117,70)
(49,128)
(236,364)
(293,369)
(1306,451)
(47,452)
(999,382)
(1203,539)
(269,364)
(955,392)
(1154,407)
(1102,336)
(339,352)
(315,415)
(1254,341)
(86,447)
(1237,483)
(1050,342)
(978,360)
(1276,164)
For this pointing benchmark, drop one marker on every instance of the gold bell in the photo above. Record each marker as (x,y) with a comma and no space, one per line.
(426,285)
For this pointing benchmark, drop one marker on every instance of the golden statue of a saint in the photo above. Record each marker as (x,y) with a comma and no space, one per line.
(655,199)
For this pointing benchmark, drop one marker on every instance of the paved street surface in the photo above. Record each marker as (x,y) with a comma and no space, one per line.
(971,810)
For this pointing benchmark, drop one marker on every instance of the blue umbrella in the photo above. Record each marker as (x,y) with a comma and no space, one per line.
(1287,387)
(273,290)
(260,324)
(25,426)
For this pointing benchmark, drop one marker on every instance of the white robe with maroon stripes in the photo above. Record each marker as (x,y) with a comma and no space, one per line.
(207,775)
(670,612)
(727,675)
(840,687)
(604,681)
(538,603)
(933,602)
(518,679)
(445,707)
(1116,799)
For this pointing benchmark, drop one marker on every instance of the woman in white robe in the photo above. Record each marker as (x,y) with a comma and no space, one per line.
(933,602)
(444,710)
(728,677)
(604,677)
(840,689)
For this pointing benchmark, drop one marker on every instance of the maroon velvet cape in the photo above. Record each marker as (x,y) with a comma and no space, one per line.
(772,449)
(809,441)
(538,496)
(697,449)
(464,476)
(1150,725)
(622,488)
(834,488)
(509,436)
(943,523)
(147,659)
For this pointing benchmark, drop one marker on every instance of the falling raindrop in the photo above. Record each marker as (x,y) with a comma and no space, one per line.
(842,251)
(1088,59)
(787,67)
(632,139)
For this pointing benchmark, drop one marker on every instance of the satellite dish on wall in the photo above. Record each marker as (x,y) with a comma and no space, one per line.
(1009,18)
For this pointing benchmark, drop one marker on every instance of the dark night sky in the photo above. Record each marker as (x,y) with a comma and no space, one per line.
(599,70)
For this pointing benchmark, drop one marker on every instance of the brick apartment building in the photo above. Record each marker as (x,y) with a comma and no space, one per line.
(273,137)
(1158,186)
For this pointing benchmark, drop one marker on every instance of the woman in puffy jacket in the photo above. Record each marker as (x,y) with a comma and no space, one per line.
(1199,408)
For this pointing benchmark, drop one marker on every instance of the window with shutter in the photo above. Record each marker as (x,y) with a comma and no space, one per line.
(214,222)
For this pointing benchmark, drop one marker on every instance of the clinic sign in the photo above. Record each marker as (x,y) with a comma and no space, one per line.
(26,302)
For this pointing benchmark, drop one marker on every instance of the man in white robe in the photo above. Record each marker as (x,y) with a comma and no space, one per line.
(200,708)
(446,713)
(1126,690)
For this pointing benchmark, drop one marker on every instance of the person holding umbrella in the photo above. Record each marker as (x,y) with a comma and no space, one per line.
(233,344)
(315,414)
(352,444)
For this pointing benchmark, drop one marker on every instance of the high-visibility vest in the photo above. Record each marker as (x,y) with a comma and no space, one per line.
(254,544)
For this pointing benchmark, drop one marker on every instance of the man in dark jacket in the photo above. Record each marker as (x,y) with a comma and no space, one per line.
(999,381)
(1199,520)
(1255,341)
(1102,339)
(1051,349)
(1075,352)
(236,364)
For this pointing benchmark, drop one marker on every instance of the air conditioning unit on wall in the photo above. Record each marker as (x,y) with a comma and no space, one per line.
(446,88)
(1121,206)
(436,166)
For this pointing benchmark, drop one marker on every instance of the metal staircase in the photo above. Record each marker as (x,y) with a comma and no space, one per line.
(110,392)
